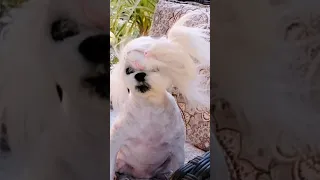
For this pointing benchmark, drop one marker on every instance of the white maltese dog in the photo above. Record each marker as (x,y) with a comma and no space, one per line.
(148,135)
(51,43)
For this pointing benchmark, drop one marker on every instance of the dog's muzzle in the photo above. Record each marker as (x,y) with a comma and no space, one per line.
(95,50)
(142,86)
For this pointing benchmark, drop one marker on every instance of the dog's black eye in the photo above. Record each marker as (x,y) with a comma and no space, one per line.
(63,28)
(129,70)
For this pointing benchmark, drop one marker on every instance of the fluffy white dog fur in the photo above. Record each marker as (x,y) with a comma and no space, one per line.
(50,140)
(148,135)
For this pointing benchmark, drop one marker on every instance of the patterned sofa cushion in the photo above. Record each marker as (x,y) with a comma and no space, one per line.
(167,13)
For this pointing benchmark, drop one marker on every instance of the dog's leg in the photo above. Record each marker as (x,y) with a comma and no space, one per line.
(117,138)
(174,162)
(178,153)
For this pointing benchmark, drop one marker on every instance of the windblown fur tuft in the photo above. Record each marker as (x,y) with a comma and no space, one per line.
(194,42)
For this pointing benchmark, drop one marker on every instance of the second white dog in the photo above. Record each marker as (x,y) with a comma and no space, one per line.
(148,135)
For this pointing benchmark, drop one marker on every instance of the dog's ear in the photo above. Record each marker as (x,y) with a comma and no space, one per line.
(118,89)
(193,40)
(179,53)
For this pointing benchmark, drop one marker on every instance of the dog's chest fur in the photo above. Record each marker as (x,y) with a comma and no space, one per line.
(153,139)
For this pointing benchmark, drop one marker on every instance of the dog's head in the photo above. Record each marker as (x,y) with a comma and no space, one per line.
(70,38)
(149,66)
(143,75)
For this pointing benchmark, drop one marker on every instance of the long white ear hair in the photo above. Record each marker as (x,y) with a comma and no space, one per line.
(182,52)
(118,89)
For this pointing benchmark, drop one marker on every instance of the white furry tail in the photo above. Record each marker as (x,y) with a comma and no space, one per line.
(194,42)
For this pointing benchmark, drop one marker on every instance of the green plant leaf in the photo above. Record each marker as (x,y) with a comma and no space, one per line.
(131,18)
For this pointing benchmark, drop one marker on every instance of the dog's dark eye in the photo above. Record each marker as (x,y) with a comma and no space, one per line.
(63,28)
(129,70)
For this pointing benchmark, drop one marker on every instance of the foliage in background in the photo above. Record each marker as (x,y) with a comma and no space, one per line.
(6,5)
(130,19)
(12,3)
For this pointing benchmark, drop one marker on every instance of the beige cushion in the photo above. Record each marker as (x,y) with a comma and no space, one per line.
(197,120)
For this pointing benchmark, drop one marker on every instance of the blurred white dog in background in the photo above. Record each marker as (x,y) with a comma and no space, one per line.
(50,46)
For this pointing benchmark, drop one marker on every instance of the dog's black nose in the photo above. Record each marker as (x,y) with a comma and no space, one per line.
(140,76)
(95,49)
